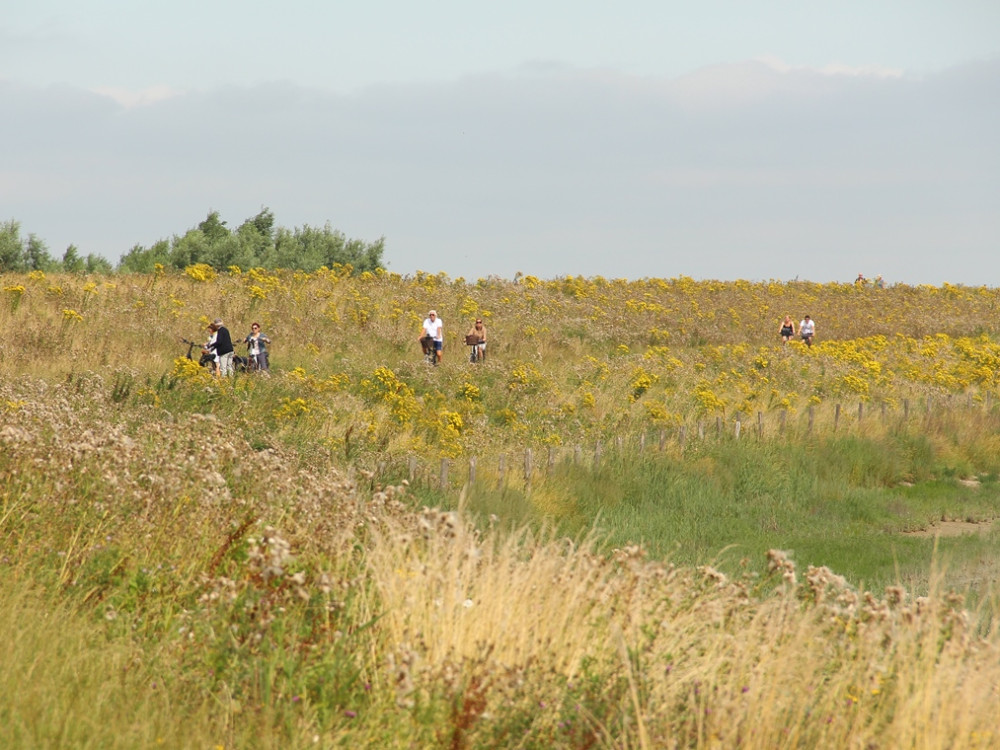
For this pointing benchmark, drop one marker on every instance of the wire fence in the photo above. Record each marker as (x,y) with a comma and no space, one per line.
(929,414)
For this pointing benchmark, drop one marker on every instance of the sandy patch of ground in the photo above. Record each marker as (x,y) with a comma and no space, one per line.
(953,528)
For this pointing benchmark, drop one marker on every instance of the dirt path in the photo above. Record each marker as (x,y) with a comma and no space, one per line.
(953,528)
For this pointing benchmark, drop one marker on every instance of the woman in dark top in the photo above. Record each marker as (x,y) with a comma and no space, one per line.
(787,329)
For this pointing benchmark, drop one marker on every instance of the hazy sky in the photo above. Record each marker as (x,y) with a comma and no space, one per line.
(716,139)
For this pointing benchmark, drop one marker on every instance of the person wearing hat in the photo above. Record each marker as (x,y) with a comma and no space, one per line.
(222,347)
(433,328)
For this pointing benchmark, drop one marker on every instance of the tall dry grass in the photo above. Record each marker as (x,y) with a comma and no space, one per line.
(167,583)
(194,562)
(542,643)
(572,360)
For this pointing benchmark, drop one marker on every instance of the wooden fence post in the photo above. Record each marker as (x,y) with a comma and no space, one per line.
(501,470)
(781,421)
(906,409)
(597,454)
(472,470)
(836,416)
(527,464)
(812,416)
(551,460)
(444,474)
(861,411)
(681,435)
(642,442)
(663,440)
(760,424)
(701,430)
(718,426)
(577,455)
(738,426)
(412,468)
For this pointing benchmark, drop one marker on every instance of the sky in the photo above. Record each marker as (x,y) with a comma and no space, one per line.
(718,139)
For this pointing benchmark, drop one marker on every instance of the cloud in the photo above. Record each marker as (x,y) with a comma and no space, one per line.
(130,98)
(741,170)
(832,69)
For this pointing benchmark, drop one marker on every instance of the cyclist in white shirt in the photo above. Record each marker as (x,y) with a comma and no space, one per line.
(807,329)
(433,328)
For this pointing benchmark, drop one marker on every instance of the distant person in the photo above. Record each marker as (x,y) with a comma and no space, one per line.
(257,349)
(879,282)
(223,347)
(787,330)
(860,281)
(476,338)
(432,334)
(807,329)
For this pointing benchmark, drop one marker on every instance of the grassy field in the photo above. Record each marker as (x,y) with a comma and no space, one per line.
(278,561)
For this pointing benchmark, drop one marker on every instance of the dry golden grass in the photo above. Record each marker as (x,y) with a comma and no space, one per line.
(572,360)
(166,583)
(687,657)
(190,562)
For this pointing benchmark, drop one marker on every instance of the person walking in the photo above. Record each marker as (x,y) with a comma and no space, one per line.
(257,348)
(807,329)
(222,347)
(476,338)
(433,329)
(787,330)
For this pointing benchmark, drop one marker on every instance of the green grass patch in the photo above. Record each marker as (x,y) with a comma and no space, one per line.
(844,502)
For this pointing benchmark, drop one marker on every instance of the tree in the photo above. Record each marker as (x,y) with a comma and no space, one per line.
(257,242)
(11,247)
(72,262)
(293,249)
(231,252)
(98,264)
(213,228)
(255,239)
(143,260)
(36,255)
(308,248)
(192,248)
(262,224)
(364,256)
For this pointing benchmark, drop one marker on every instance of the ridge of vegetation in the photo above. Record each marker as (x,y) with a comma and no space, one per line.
(258,241)
(194,562)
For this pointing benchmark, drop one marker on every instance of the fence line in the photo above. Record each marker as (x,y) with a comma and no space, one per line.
(678,439)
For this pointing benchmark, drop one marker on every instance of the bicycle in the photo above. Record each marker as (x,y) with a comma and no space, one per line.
(478,353)
(205,360)
(430,353)
(240,364)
